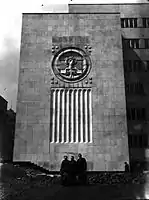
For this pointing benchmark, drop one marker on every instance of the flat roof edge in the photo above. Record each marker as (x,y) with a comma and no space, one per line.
(110,4)
(74,13)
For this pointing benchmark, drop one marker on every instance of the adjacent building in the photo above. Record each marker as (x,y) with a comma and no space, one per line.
(7,129)
(135,39)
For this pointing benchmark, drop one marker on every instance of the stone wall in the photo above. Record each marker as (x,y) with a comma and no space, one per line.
(109,147)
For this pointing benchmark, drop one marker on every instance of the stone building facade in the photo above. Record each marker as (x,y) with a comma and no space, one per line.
(83,86)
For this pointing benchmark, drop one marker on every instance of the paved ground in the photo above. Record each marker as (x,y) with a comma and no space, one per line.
(56,192)
(14,188)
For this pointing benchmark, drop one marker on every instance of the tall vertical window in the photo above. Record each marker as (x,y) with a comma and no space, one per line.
(136,113)
(146,43)
(128,66)
(138,141)
(129,22)
(135,88)
(131,43)
(134,43)
(145,22)
(147,66)
(137,65)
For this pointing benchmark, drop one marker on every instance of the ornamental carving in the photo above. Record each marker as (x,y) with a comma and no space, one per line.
(71,64)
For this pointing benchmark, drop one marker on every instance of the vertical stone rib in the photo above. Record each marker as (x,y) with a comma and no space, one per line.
(53,115)
(67,118)
(83,96)
(55,122)
(81,116)
(86,117)
(63,116)
(70,105)
(58,115)
(65,113)
(90,115)
(76,104)
(72,116)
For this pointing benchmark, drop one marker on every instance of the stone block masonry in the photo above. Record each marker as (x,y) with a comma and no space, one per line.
(71,95)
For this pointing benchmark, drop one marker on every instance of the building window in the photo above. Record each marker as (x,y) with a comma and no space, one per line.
(129,22)
(136,66)
(128,66)
(138,141)
(135,22)
(147,66)
(134,43)
(131,43)
(134,88)
(146,43)
(126,44)
(136,114)
(145,22)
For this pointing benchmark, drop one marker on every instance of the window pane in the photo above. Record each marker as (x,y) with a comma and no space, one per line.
(146,43)
(143,113)
(122,23)
(128,114)
(131,23)
(147,22)
(135,22)
(144,22)
(133,110)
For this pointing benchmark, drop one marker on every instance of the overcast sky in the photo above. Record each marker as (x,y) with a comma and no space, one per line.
(10,35)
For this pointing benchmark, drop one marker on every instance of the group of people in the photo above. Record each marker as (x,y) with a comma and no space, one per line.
(72,171)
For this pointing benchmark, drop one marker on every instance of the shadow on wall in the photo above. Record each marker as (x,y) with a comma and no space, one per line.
(136,73)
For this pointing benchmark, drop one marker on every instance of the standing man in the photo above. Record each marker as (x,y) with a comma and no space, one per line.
(73,170)
(65,171)
(81,169)
(126,167)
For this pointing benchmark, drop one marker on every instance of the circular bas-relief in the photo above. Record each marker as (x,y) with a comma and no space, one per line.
(71,64)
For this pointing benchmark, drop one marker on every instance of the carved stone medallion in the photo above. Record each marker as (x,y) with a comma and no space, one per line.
(71,64)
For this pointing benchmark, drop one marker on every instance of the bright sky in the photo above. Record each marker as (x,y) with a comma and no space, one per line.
(10,34)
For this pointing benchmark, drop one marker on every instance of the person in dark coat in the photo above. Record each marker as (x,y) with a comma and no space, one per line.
(81,169)
(65,171)
(73,170)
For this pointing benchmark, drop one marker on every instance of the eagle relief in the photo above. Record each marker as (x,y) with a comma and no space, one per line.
(71,64)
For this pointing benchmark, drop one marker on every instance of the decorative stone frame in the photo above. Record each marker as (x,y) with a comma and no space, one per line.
(71,51)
